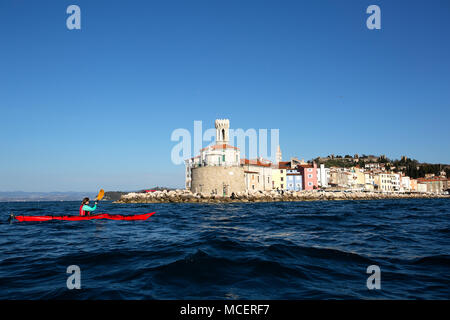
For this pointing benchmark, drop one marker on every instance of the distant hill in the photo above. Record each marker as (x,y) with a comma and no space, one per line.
(410,167)
(113,195)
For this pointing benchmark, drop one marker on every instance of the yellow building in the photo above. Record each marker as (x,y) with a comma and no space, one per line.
(278,178)
(360,177)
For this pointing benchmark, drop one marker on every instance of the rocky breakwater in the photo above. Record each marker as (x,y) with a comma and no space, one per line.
(175,196)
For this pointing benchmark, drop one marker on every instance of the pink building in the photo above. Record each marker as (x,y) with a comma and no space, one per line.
(309,173)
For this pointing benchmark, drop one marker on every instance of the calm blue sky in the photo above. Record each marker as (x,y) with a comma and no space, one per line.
(96,107)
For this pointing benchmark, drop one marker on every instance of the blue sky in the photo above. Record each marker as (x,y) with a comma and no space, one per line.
(90,108)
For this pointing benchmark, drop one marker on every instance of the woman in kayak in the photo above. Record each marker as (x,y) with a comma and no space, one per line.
(85,210)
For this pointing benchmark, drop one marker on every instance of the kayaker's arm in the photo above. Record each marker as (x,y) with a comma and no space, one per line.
(90,209)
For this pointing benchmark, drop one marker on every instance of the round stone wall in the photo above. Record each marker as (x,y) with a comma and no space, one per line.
(218,180)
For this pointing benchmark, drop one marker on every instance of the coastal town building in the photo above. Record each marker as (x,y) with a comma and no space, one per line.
(433,184)
(413,184)
(279,172)
(371,166)
(294,180)
(352,179)
(369,181)
(189,164)
(388,182)
(323,176)
(258,174)
(421,187)
(309,176)
(358,177)
(405,183)
(341,177)
(217,169)
(278,178)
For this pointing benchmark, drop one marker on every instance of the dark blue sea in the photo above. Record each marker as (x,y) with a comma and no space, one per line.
(296,250)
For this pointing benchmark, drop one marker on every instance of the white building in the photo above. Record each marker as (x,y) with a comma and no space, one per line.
(371,166)
(323,176)
(369,181)
(422,187)
(389,182)
(220,154)
(405,183)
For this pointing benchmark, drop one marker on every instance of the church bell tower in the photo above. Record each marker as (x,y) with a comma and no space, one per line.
(222,131)
(278,155)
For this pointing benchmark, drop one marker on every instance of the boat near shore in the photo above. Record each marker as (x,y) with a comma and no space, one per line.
(176,196)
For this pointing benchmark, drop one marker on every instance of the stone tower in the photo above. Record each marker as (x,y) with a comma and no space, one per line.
(222,131)
(278,155)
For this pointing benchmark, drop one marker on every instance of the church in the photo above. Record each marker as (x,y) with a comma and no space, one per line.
(217,169)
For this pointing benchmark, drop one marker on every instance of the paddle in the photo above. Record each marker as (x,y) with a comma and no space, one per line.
(100,195)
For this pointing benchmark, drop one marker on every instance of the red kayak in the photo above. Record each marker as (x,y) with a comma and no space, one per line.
(134,217)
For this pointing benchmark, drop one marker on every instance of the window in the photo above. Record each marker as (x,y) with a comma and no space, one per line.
(281,171)
(282,186)
(310,176)
(282,179)
(310,184)
(223,158)
(309,170)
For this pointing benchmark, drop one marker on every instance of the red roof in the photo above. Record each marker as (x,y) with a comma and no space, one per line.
(284,165)
(256,162)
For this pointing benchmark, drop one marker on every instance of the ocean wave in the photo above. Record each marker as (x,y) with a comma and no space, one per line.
(440,260)
(299,250)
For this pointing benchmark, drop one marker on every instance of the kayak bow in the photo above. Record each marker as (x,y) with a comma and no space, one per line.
(134,217)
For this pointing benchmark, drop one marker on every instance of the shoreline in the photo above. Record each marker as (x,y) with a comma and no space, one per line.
(185,196)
